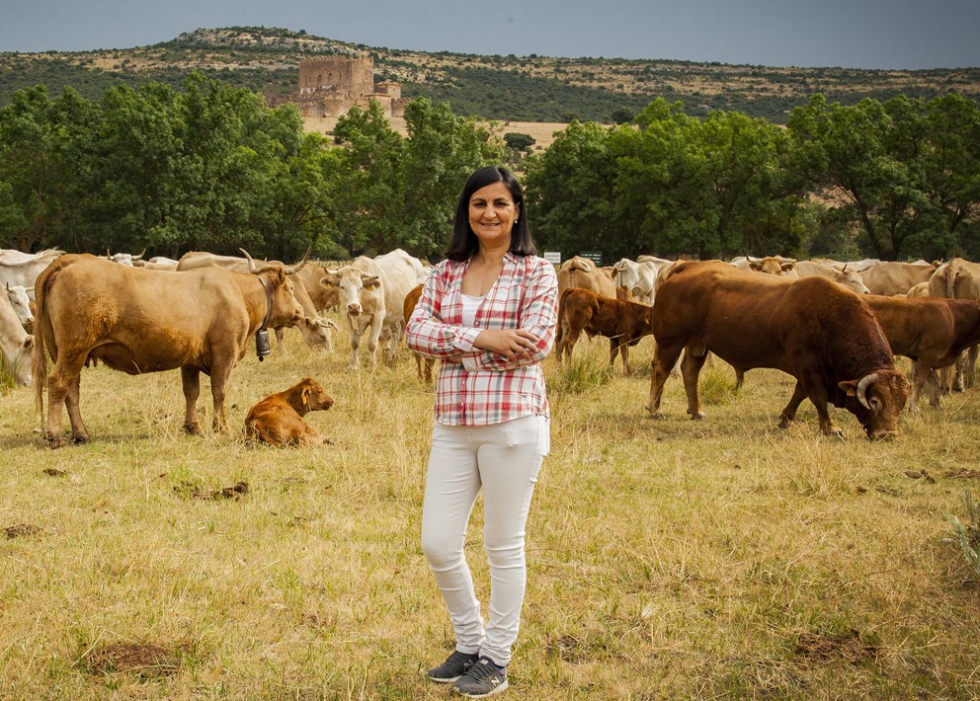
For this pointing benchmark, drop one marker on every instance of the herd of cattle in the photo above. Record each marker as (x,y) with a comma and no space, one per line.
(835,327)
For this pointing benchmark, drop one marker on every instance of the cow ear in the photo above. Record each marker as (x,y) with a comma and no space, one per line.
(306,396)
(849,387)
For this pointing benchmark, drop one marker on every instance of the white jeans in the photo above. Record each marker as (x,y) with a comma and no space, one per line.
(503,460)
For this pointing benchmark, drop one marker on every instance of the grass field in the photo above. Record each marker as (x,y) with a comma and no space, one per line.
(720,559)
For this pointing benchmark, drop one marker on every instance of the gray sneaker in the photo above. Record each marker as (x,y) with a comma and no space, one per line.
(453,667)
(482,679)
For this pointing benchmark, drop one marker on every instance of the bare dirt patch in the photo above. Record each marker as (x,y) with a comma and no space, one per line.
(815,648)
(143,660)
(21,530)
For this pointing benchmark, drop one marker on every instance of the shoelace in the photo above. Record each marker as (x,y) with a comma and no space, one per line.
(482,670)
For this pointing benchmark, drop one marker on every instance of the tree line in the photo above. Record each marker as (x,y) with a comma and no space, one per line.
(209,167)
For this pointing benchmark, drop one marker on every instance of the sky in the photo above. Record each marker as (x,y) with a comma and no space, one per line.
(876,34)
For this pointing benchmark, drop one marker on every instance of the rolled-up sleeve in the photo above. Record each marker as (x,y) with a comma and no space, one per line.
(427,334)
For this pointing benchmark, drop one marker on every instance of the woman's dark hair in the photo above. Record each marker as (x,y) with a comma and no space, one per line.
(464,242)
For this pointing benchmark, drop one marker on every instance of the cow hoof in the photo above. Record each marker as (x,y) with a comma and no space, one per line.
(697,416)
(79,438)
(53,442)
(656,415)
(193,429)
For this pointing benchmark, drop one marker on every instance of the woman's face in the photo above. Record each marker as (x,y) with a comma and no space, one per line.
(492,214)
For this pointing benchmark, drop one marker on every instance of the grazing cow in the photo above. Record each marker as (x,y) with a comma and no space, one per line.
(372,293)
(932,331)
(623,323)
(278,419)
(15,344)
(316,332)
(847,276)
(20,300)
(582,272)
(770,265)
(323,295)
(819,332)
(19,268)
(141,321)
(423,363)
(639,277)
(895,278)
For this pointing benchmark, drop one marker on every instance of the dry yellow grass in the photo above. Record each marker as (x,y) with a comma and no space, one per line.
(667,559)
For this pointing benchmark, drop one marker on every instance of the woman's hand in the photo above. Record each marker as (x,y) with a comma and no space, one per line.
(516,345)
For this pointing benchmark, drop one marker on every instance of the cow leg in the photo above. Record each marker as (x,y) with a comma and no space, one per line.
(617,347)
(923,374)
(191,381)
(79,434)
(818,395)
(374,337)
(934,393)
(788,414)
(219,384)
(429,362)
(355,349)
(664,359)
(280,331)
(957,384)
(970,371)
(58,390)
(691,365)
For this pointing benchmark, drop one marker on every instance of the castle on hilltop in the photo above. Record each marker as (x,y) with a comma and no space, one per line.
(328,87)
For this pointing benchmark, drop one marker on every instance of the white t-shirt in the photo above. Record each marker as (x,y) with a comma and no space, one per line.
(470,305)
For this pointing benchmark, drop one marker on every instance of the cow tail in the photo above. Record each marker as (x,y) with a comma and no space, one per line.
(39,358)
(952,270)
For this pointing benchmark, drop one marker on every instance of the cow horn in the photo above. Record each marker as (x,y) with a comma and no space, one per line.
(140,255)
(299,266)
(862,388)
(252,267)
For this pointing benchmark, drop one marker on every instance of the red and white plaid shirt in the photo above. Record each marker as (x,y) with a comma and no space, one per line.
(486,388)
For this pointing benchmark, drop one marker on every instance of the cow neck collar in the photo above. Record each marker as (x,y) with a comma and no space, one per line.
(268,304)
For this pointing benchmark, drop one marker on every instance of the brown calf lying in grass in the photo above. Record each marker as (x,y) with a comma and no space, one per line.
(623,323)
(278,419)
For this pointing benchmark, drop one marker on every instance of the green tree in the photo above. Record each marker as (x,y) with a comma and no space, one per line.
(570,193)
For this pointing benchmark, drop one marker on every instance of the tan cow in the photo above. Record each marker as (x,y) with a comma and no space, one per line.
(140,321)
(316,331)
(15,344)
(932,331)
(423,363)
(822,334)
(845,275)
(770,265)
(278,419)
(582,272)
(893,278)
(623,323)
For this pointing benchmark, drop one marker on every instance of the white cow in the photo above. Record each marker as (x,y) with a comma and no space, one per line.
(124,258)
(846,275)
(19,268)
(16,345)
(639,276)
(770,265)
(372,293)
(20,301)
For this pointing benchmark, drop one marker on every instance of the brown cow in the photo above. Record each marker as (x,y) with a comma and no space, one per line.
(959,279)
(582,272)
(932,331)
(141,321)
(819,332)
(278,419)
(422,363)
(623,323)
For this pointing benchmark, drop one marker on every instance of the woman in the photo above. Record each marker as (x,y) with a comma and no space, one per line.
(488,313)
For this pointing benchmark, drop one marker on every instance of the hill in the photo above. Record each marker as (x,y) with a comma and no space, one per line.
(519,88)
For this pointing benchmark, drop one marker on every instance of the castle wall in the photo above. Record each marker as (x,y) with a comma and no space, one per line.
(329,86)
